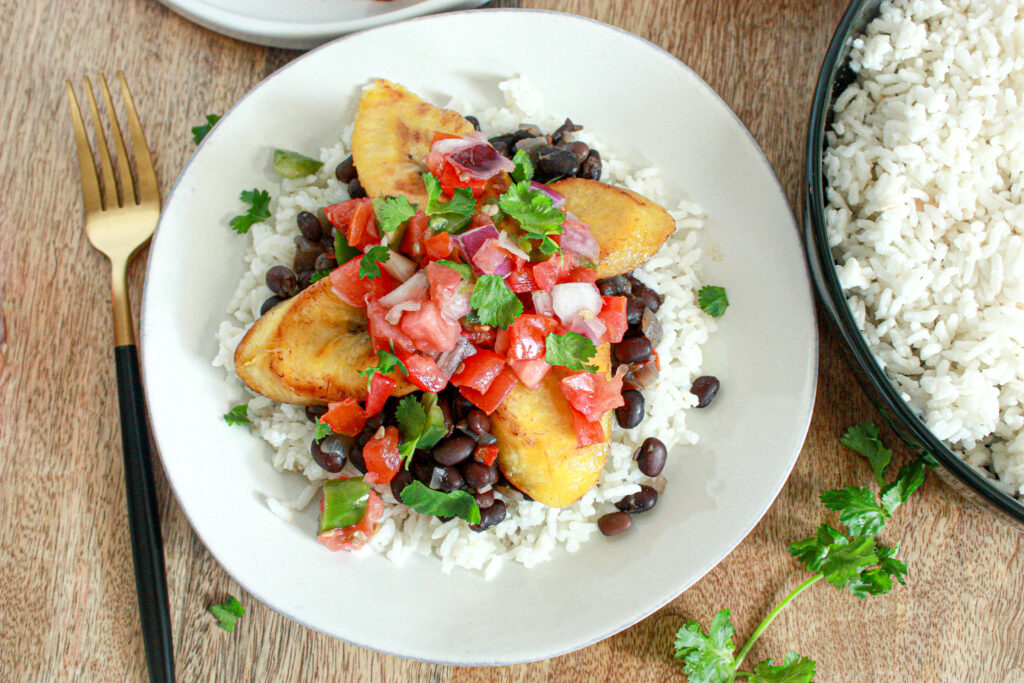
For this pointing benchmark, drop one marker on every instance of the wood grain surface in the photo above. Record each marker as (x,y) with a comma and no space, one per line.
(67,599)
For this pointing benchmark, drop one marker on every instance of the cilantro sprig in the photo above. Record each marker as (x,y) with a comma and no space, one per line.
(228,613)
(713,300)
(852,559)
(571,350)
(199,132)
(369,265)
(259,210)
(421,423)
(392,212)
(427,501)
(524,167)
(494,303)
(323,430)
(536,214)
(462,202)
(387,362)
(239,415)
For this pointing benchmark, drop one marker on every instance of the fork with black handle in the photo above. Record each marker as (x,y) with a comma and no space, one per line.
(118,226)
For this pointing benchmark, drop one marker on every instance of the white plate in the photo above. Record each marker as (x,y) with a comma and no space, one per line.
(653,111)
(302,24)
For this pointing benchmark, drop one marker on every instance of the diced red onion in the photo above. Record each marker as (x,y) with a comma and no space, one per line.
(651,327)
(569,298)
(492,259)
(457,305)
(643,374)
(556,198)
(449,361)
(592,328)
(471,240)
(542,302)
(511,247)
(577,238)
(394,313)
(414,288)
(437,478)
(472,156)
(399,267)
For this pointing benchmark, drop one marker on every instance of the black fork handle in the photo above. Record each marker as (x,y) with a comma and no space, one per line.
(144,518)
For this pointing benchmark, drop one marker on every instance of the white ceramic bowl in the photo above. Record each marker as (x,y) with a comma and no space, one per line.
(653,111)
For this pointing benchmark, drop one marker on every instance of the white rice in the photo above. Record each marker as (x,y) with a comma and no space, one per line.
(926,219)
(531,531)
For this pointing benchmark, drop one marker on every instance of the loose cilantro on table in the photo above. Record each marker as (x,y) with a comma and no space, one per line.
(463,269)
(239,415)
(199,132)
(570,350)
(228,613)
(853,560)
(462,202)
(392,212)
(536,214)
(421,423)
(386,363)
(259,210)
(494,303)
(323,431)
(427,501)
(713,300)
(524,167)
(369,266)
(293,165)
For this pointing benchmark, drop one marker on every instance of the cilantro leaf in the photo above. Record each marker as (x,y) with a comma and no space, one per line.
(494,303)
(857,508)
(319,275)
(386,363)
(323,431)
(709,658)
(239,415)
(228,613)
(864,439)
(199,132)
(427,501)
(524,167)
(391,212)
(570,350)
(369,266)
(794,669)
(909,477)
(536,214)
(462,202)
(713,300)
(463,269)
(421,423)
(290,164)
(259,210)
(838,557)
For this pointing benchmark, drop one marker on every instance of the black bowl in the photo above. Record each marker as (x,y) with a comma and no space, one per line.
(834,77)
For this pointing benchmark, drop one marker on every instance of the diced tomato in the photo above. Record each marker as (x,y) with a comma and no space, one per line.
(490,257)
(424,373)
(383,333)
(430,331)
(355,537)
(587,431)
(479,371)
(547,273)
(581,274)
(500,388)
(484,337)
(355,219)
(486,454)
(353,290)
(381,455)
(527,334)
(438,246)
(381,387)
(613,315)
(530,372)
(415,231)
(501,341)
(593,394)
(444,281)
(449,177)
(345,417)
(521,281)
(480,219)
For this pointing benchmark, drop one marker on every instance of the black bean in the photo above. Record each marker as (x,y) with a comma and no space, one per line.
(332,452)
(638,502)
(401,479)
(631,412)
(355,457)
(306,252)
(461,407)
(616,285)
(474,121)
(633,350)
(305,278)
(454,450)
(485,499)
(634,310)
(651,299)
(282,281)
(650,457)
(489,516)
(313,413)
(591,166)
(503,143)
(478,421)
(556,162)
(705,388)
(529,130)
(346,170)
(580,149)
(355,189)
(479,475)
(448,478)
(325,262)
(422,470)
(614,523)
(562,130)
(270,303)
(446,412)
(309,226)
(487,439)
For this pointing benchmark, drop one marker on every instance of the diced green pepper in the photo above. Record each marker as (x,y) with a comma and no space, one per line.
(435,429)
(343,251)
(449,222)
(345,503)
(294,165)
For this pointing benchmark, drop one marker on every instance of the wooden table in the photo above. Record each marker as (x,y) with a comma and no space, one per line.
(67,599)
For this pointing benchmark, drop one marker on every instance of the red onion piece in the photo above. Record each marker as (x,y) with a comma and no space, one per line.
(594,329)
(643,374)
(449,361)
(457,306)
(394,314)
(651,327)
(569,298)
(542,302)
(414,288)
(471,240)
(399,267)
(511,247)
(577,238)
(492,259)
(472,156)
(556,198)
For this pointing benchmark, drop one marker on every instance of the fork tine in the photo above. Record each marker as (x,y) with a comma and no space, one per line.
(90,183)
(123,164)
(110,200)
(148,188)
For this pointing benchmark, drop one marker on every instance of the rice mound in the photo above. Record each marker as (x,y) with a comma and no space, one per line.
(925,167)
(531,531)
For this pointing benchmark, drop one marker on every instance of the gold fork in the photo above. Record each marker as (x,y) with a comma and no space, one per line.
(118,226)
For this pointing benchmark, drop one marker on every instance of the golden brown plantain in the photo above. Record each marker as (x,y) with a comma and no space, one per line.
(537,449)
(393,132)
(309,350)
(629,227)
